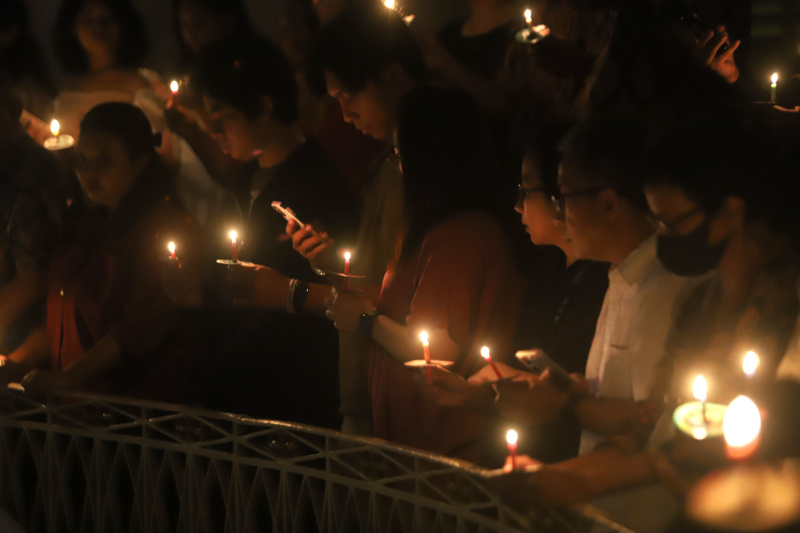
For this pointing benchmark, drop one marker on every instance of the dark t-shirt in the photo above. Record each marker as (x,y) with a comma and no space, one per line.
(282,366)
(559,315)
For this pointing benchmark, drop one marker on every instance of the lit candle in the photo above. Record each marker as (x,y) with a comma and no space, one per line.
(488,356)
(58,141)
(511,439)
(389,4)
(426,347)
(233,236)
(742,428)
(174,86)
(750,363)
(171,247)
(774,86)
(347,263)
(529,18)
(700,391)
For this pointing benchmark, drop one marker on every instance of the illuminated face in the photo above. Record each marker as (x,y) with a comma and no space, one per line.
(370,110)
(200,26)
(537,211)
(97,28)
(235,134)
(105,171)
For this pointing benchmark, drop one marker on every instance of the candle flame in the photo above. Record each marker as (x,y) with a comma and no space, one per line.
(750,363)
(55,127)
(485,353)
(174,86)
(423,336)
(511,437)
(389,4)
(233,235)
(742,422)
(347,256)
(700,389)
(774,77)
(528,16)
(171,247)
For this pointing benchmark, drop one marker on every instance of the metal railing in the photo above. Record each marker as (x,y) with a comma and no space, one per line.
(89,463)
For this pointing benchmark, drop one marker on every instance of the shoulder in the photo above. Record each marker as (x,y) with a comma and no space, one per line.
(467,234)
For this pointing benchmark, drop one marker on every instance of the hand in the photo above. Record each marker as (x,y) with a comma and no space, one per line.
(488,375)
(9,371)
(266,287)
(531,402)
(522,462)
(180,120)
(451,390)
(346,308)
(544,487)
(47,381)
(183,285)
(707,51)
(318,249)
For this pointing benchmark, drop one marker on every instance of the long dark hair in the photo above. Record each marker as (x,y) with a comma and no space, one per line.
(448,159)
(133,44)
(23,58)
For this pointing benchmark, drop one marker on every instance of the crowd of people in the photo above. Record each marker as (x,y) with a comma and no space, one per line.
(607,196)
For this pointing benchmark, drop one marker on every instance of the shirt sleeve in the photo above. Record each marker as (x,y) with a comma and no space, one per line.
(451,275)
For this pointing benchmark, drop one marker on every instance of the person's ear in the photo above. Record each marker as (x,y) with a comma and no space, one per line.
(609,202)
(732,212)
(392,76)
(266,107)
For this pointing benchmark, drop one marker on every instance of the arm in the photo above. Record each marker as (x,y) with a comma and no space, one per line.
(31,354)
(19,293)
(100,358)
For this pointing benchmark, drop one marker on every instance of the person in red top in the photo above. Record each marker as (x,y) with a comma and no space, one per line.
(455,276)
(110,326)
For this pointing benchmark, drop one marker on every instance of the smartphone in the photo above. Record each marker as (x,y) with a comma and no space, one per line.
(538,362)
(288,214)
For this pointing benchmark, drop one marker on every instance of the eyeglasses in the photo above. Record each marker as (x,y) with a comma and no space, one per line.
(674,223)
(522,192)
(559,198)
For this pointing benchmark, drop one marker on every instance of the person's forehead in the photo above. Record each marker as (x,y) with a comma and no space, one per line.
(571,175)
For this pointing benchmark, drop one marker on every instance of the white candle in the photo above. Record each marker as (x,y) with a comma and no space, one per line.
(774,86)
(700,391)
(529,17)
(742,428)
(233,235)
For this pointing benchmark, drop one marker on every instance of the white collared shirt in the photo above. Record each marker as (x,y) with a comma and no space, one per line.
(631,329)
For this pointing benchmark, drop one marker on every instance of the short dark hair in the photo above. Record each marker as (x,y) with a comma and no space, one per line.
(448,158)
(609,152)
(241,73)
(542,145)
(125,122)
(359,43)
(717,156)
(133,46)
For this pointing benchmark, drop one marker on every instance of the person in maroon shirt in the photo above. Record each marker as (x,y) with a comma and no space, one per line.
(454,277)
(110,326)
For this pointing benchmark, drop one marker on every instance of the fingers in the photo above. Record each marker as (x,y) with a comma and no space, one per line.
(713,47)
(729,52)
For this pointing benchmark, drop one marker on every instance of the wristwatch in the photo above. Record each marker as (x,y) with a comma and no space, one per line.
(366,321)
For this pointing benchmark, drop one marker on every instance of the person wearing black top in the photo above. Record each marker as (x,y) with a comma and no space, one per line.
(281,364)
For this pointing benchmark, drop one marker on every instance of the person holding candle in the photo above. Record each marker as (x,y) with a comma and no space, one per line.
(251,98)
(366,59)
(33,202)
(110,327)
(454,276)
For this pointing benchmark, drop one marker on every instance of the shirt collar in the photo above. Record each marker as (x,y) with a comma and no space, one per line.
(634,267)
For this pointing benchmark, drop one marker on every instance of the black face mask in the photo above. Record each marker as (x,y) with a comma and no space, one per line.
(690,255)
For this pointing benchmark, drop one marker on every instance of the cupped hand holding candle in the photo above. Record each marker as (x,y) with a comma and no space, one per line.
(742,428)
(488,356)
(511,439)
